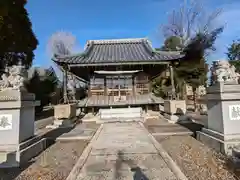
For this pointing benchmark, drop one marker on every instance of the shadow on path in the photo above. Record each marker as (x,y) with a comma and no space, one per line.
(137,172)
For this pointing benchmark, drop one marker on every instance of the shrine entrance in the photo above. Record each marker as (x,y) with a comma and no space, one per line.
(119,86)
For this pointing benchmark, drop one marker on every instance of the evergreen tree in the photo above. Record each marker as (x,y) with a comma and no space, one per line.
(17,40)
(172,43)
(43,83)
(193,69)
(233,54)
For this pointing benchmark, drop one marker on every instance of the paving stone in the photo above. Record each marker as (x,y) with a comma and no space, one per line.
(124,151)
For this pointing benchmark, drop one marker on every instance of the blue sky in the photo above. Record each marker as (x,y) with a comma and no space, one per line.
(102,19)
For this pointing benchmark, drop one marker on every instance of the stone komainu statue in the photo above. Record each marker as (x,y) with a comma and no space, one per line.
(222,71)
(13,78)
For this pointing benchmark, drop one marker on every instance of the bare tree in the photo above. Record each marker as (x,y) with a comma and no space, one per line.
(61,43)
(189,20)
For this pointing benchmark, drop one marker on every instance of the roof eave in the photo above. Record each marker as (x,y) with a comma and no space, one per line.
(123,63)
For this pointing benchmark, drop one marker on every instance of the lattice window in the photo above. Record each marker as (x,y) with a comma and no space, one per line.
(141,81)
(123,93)
(112,82)
(113,93)
(142,88)
(97,83)
(141,77)
(97,93)
(126,82)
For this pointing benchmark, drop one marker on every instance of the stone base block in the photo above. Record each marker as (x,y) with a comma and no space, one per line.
(216,142)
(177,119)
(31,148)
(175,106)
(171,118)
(9,160)
(65,111)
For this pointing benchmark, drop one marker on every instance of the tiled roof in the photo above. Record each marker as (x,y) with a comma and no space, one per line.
(118,51)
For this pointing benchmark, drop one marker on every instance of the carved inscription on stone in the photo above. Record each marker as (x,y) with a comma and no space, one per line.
(234,112)
(5,121)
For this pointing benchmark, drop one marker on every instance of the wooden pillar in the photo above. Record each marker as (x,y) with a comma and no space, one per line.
(149,84)
(146,108)
(105,86)
(172,82)
(133,86)
(149,87)
(65,98)
(89,89)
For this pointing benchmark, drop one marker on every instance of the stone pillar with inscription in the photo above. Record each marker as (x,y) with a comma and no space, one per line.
(17,116)
(223,102)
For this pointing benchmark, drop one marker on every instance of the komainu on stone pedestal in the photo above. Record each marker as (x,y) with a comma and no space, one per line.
(222,131)
(17,117)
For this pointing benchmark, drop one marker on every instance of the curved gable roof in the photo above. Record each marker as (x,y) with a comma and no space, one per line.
(118,51)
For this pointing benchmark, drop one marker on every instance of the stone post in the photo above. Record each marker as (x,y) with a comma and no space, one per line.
(222,131)
(17,117)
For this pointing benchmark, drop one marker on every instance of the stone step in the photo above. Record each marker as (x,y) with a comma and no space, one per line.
(121,110)
(236,152)
(30,141)
(119,120)
(120,113)
(33,150)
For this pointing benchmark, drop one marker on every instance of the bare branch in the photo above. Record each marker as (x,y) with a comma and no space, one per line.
(61,43)
(189,20)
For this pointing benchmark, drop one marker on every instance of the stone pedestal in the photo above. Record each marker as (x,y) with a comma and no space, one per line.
(65,111)
(65,116)
(17,116)
(222,131)
(174,108)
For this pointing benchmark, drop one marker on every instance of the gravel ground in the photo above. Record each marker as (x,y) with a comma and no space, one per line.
(197,161)
(53,164)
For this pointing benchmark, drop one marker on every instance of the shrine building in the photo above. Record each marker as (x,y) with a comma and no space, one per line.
(118,72)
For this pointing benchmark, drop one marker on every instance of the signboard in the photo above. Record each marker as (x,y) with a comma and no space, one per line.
(234,112)
(5,122)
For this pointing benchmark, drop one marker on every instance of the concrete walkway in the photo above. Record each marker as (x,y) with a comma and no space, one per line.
(124,151)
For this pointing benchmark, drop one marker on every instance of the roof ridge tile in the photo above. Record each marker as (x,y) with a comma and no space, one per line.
(116,41)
